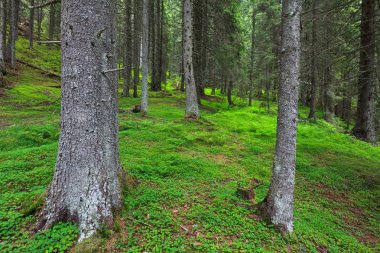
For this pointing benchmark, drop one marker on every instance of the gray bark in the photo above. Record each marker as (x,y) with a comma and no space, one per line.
(86,188)
(365,122)
(145,57)
(278,206)
(192,108)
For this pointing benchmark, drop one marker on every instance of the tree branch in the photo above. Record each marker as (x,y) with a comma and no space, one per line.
(44,4)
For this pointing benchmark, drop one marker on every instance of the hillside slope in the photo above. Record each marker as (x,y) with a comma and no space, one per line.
(183,177)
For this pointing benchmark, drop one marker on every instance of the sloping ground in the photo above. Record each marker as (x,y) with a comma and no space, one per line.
(183,176)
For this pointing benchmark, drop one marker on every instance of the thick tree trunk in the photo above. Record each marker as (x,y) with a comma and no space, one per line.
(192,108)
(250,92)
(86,187)
(278,205)
(2,40)
(365,123)
(313,102)
(128,49)
(31,25)
(145,57)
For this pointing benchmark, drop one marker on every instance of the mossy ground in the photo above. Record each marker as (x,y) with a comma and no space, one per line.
(183,175)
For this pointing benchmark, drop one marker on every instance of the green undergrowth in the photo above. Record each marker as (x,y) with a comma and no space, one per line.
(183,176)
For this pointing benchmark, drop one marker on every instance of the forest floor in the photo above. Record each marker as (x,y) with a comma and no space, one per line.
(183,176)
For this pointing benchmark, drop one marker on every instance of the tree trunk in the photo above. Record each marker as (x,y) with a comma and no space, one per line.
(250,94)
(192,108)
(278,205)
(136,45)
(11,47)
(229,94)
(313,102)
(365,123)
(145,57)
(86,187)
(51,24)
(31,25)
(39,23)
(2,40)
(183,53)
(128,49)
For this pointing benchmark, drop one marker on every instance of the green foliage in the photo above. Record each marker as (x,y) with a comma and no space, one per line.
(183,179)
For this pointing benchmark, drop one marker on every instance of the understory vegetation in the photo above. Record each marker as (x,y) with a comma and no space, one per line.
(183,175)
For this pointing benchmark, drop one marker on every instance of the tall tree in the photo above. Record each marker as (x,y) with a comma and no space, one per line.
(128,48)
(13,33)
(86,187)
(365,123)
(2,39)
(31,24)
(136,44)
(52,24)
(278,205)
(192,108)
(145,57)
(250,94)
(313,67)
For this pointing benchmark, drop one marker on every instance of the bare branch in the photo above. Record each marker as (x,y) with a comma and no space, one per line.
(44,4)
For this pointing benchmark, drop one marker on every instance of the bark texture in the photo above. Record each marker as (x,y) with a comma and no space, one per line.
(85,187)
(145,57)
(365,122)
(278,206)
(192,108)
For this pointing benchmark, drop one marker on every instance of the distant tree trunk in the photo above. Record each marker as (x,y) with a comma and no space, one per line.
(192,108)
(145,57)
(183,53)
(160,63)
(128,49)
(278,205)
(313,102)
(365,123)
(250,94)
(328,96)
(213,84)
(31,25)
(86,188)
(136,45)
(10,54)
(229,93)
(39,22)
(51,24)
(2,40)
